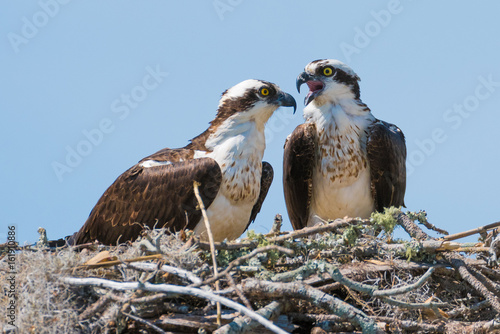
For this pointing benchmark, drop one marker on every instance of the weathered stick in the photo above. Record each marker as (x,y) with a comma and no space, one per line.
(96,307)
(168,269)
(484,228)
(243,258)
(319,298)
(467,274)
(168,288)
(433,227)
(375,292)
(242,325)
(308,269)
(211,241)
(404,289)
(332,226)
(411,228)
(243,298)
(145,322)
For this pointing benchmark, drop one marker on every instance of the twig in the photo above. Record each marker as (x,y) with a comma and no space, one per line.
(232,284)
(409,325)
(96,307)
(332,226)
(42,242)
(383,294)
(414,306)
(242,325)
(320,299)
(469,309)
(329,287)
(484,228)
(467,274)
(374,291)
(139,300)
(305,271)
(145,322)
(276,228)
(411,228)
(243,258)
(309,317)
(442,327)
(433,227)
(211,241)
(168,288)
(404,289)
(168,269)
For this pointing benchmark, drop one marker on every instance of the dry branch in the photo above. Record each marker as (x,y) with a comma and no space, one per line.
(409,226)
(242,325)
(210,240)
(468,274)
(481,229)
(318,298)
(166,288)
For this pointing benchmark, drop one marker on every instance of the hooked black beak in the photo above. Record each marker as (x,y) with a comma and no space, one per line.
(287,100)
(315,86)
(302,79)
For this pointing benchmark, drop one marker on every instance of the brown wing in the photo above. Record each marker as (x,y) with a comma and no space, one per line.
(265,183)
(298,163)
(387,157)
(160,196)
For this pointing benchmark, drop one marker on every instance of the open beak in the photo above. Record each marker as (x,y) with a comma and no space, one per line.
(315,86)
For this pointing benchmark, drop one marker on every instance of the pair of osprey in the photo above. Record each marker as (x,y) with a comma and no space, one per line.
(341,162)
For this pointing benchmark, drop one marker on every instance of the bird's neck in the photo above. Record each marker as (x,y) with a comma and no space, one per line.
(238,148)
(343,114)
(232,141)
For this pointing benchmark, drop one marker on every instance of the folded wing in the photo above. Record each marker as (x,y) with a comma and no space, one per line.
(157,196)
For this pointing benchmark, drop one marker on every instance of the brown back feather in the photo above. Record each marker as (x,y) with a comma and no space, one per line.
(160,196)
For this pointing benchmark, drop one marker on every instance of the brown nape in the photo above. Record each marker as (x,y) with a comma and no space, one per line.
(229,107)
(198,142)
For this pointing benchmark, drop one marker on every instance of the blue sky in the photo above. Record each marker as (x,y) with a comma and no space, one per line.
(89,88)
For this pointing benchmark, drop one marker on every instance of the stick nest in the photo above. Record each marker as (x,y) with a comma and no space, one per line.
(345,276)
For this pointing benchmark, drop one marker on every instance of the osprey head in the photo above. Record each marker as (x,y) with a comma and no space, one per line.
(253,100)
(328,80)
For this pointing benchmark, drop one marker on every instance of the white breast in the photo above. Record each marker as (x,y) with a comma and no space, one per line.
(239,154)
(341,179)
(226,219)
(334,200)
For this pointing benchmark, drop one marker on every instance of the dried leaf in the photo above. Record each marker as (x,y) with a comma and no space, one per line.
(103,256)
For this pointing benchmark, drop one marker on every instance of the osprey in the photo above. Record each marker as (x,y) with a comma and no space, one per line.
(342,161)
(226,160)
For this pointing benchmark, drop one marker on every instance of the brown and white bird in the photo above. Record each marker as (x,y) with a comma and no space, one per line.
(342,161)
(226,160)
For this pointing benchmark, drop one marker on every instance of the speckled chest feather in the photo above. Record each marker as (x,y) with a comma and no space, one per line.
(341,142)
(241,179)
(342,153)
(342,174)
(239,153)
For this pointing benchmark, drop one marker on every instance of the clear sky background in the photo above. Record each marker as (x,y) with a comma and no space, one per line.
(88,88)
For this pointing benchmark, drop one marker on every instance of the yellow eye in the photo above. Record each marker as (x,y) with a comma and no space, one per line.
(327,71)
(264,91)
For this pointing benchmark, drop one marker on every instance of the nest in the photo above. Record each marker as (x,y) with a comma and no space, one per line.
(345,276)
